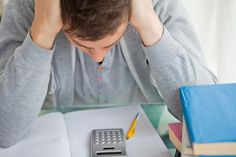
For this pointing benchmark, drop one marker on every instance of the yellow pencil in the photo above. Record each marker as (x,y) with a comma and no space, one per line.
(131,131)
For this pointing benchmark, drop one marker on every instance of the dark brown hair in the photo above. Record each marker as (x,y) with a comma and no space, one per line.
(94,19)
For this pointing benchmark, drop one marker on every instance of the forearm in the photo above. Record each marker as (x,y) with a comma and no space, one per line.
(174,55)
(23,87)
(173,66)
(42,36)
(151,30)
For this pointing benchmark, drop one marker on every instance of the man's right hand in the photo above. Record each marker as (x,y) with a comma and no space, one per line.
(47,22)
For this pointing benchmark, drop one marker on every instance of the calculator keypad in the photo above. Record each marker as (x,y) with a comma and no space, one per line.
(108,142)
(112,136)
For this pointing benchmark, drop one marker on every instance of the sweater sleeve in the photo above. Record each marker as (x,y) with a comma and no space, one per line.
(177,59)
(24,73)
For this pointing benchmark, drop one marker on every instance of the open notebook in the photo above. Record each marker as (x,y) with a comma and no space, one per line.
(58,135)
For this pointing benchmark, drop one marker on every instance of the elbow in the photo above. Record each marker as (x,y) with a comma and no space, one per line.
(7,142)
(11,138)
(175,110)
(6,145)
(177,115)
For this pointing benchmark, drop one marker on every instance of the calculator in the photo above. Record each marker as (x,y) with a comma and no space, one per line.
(108,143)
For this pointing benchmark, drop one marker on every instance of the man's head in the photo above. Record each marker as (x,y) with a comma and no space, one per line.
(95,26)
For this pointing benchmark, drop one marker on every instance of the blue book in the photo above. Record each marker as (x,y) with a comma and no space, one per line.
(210,114)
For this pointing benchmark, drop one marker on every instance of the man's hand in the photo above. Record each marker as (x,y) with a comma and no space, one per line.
(47,22)
(145,20)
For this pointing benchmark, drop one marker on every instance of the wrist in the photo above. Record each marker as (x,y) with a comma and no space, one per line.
(151,30)
(42,36)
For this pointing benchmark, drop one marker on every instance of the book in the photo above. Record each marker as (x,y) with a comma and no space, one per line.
(209,112)
(185,141)
(186,144)
(68,135)
(175,136)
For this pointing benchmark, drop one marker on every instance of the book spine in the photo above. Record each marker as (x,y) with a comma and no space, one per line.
(185,106)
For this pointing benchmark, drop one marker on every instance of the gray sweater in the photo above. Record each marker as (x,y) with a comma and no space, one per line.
(32,77)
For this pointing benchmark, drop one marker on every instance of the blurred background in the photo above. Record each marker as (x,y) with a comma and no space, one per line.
(215,25)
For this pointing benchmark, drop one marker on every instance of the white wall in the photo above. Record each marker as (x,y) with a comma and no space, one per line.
(1,7)
(227,41)
(2,3)
(203,14)
(215,24)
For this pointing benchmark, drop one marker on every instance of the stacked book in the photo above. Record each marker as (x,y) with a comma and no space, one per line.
(209,123)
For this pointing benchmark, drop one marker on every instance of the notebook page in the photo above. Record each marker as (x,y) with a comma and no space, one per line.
(146,141)
(47,138)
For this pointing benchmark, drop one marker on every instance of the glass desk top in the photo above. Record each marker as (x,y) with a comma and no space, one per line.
(157,114)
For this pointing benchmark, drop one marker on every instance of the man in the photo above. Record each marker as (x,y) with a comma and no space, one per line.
(74,52)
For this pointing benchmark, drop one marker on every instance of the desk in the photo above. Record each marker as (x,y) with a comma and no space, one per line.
(157,114)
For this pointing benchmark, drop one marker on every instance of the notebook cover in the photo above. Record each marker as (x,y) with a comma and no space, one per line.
(176,128)
(210,112)
(175,134)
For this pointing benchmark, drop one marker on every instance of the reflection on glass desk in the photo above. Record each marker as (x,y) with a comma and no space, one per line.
(157,114)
